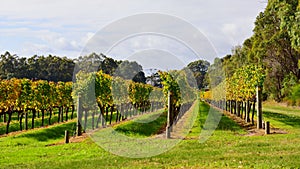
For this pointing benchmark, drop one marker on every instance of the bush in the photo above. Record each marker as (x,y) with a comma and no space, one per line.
(295,95)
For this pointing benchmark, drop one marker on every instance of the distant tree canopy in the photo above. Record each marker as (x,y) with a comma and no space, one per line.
(154,79)
(52,68)
(125,69)
(130,71)
(199,69)
(55,68)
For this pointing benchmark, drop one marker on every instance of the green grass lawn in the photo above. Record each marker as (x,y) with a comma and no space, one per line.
(226,148)
(276,108)
(282,116)
(136,129)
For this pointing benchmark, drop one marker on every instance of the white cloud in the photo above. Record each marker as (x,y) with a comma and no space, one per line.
(137,44)
(231,31)
(57,41)
(39,49)
(87,37)
(229,28)
(64,27)
(158,59)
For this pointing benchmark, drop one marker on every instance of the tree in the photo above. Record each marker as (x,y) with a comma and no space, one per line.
(7,65)
(154,79)
(215,73)
(199,69)
(109,65)
(51,68)
(273,45)
(139,77)
(89,63)
(130,71)
(289,14)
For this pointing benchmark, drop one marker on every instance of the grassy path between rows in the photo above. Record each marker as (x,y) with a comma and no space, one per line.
(282,116)
(226,148)
(143,126)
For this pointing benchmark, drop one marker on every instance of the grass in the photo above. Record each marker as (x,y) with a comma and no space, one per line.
(277,108)
(226,148)
(135,129)
(282,116)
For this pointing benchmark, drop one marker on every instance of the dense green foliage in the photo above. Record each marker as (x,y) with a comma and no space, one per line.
(110,90)
(55,68)
(199,69)
(242,84)
(124,69)
(51,68)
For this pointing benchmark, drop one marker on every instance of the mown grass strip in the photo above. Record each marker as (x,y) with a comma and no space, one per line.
(144,126)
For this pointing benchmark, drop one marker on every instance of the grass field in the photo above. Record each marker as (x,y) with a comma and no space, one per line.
(135,129)
(228,147)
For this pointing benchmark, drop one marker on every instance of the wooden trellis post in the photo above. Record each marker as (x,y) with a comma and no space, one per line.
(66,136)
(168,132)
(259,107)
(79,127)
(267,127)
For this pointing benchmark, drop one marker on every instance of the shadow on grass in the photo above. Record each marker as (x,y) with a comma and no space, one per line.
(51,133)
(225,123)
(143,129)
(293,121)
(228,124)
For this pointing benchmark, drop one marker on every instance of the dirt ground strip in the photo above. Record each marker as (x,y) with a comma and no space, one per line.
(181,128)
(251,128)
(77,139)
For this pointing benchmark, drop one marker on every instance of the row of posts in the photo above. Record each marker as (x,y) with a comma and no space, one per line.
(168,128)
(259,113)
(79,127)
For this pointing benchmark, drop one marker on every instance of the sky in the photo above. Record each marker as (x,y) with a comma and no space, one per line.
(64,28)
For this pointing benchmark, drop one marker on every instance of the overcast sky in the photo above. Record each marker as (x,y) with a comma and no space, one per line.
(42,27)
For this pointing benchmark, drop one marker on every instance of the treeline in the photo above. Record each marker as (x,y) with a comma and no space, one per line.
(274,46)
(51,68)
(55,68)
